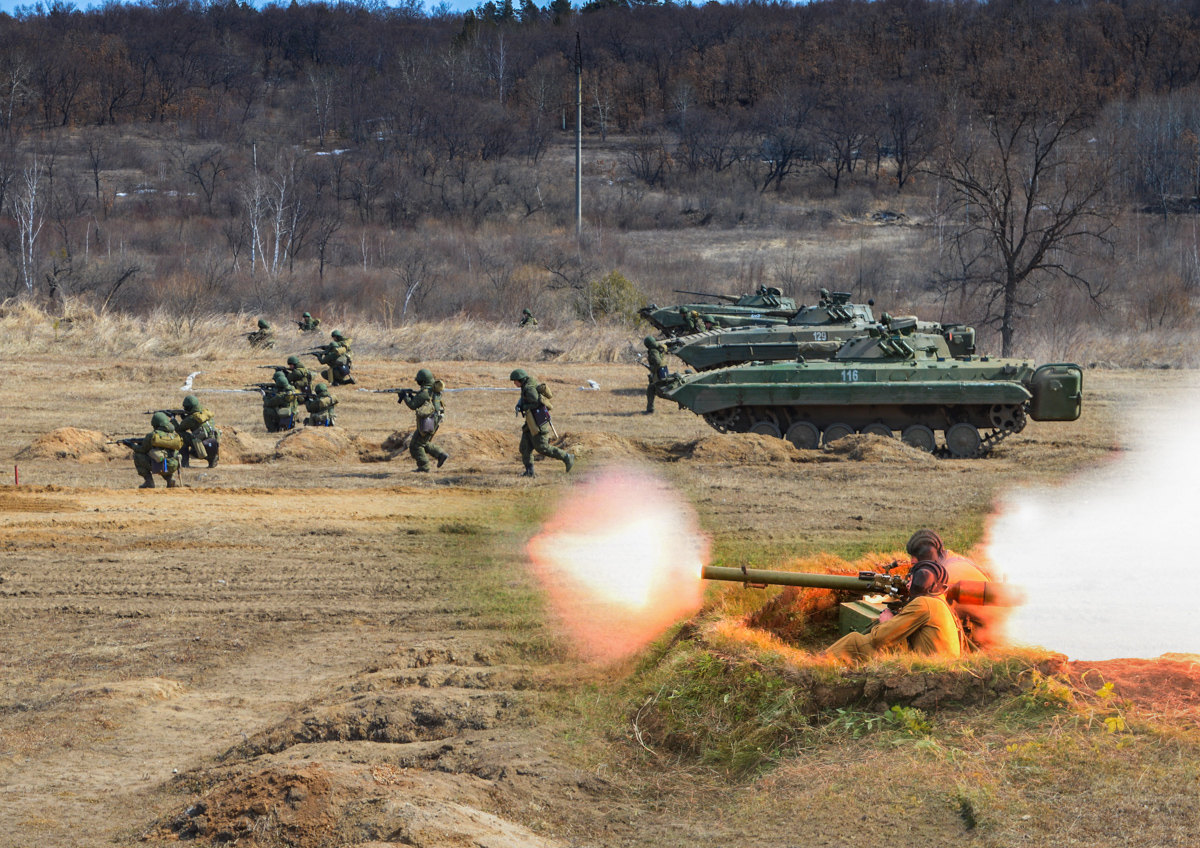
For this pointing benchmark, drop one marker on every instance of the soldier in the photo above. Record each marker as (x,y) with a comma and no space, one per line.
(427,404)
(299,377)
(158,453)
(279,405)
(308,323)
(338,358)
(925,625)
(534,405)
(320,406)
(691,321)
(527,319)
(200,436)
(263,337)
(984,623)
(656,359)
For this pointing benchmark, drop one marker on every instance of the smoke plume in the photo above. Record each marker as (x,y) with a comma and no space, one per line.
(1108,560)
(620,561)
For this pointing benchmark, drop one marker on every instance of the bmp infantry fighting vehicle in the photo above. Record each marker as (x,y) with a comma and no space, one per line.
(764,308)
(815,332)
(894,379)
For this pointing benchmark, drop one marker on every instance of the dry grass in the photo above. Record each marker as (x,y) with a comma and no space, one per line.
(30,330)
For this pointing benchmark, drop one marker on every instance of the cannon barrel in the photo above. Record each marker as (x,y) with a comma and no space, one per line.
(728,298)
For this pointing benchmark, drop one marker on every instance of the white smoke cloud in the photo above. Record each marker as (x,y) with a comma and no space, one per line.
(1109,559)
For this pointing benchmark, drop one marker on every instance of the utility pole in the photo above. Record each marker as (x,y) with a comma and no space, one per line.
(578,138)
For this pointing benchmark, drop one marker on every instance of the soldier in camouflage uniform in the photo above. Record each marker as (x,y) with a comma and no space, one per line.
(534,405)
(307,323)
(656,360)
(427,404)
(200,436)
(263,337)
(527,319)
(299,377)
(338,358)
(320,406)
(279,405)
(158,453)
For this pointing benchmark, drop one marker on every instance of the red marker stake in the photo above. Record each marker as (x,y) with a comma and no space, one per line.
(16,476)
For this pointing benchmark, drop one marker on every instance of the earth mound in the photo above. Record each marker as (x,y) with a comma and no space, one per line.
(239,446)
(601,446)
(740,448)
(72,443)
(317,444)
(864,447)
(492,445)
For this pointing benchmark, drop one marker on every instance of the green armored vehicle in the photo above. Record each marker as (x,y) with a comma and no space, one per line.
(893,380)
(764,308)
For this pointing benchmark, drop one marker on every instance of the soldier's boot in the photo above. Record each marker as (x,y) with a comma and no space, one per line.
(569,462)
(350,381)
(442,459)
(213,456)
(649,409)
(421,469)
(185,458)
(147,481)
(529,470)
(173,482)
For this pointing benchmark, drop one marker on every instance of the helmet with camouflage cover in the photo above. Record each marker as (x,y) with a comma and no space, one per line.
(281,380)
(518,375)
(526,311)
(651,341)
(161,421)
(424,377)
(293,361)
(307,315)
(321,389)
(337,334)
(263,325)
(191,403)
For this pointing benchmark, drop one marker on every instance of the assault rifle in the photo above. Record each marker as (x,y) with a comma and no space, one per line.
(403,393)
(264,388)
(276,367)
(173,413)
(129,443)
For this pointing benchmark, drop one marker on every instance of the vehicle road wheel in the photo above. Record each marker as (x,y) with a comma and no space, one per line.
(804,435)
(878,429)
(920,437)
(837,431)
(766,428)
(963,440)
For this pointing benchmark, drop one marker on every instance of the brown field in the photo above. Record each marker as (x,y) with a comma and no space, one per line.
(315,646)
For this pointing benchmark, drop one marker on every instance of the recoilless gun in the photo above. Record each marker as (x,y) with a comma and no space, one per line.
(885,590)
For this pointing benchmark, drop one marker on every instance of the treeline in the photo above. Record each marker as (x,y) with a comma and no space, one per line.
(217,155)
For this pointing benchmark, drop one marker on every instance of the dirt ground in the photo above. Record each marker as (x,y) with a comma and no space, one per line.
(312,645)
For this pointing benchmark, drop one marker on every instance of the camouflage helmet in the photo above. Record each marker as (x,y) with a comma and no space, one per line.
(424,377)
(337,334)
(161,421)
(321,389)
(306,315)
(263,325)
(526,311)
(651,341)
(191,403)
(293,361)
(281,380)
(518,375)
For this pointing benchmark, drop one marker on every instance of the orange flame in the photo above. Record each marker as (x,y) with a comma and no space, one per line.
(620,561)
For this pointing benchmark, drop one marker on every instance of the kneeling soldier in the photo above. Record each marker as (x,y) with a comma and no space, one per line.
(158,453)
(534,405)
(263,337)
(427,404)
(279,405)
(299,377)
(320,408)
(200,436)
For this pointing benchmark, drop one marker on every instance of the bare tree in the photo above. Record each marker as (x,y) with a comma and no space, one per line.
(1028,194)
(29,210)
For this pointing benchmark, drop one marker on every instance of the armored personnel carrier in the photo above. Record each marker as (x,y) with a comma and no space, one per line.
(892,380)
(766,307)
